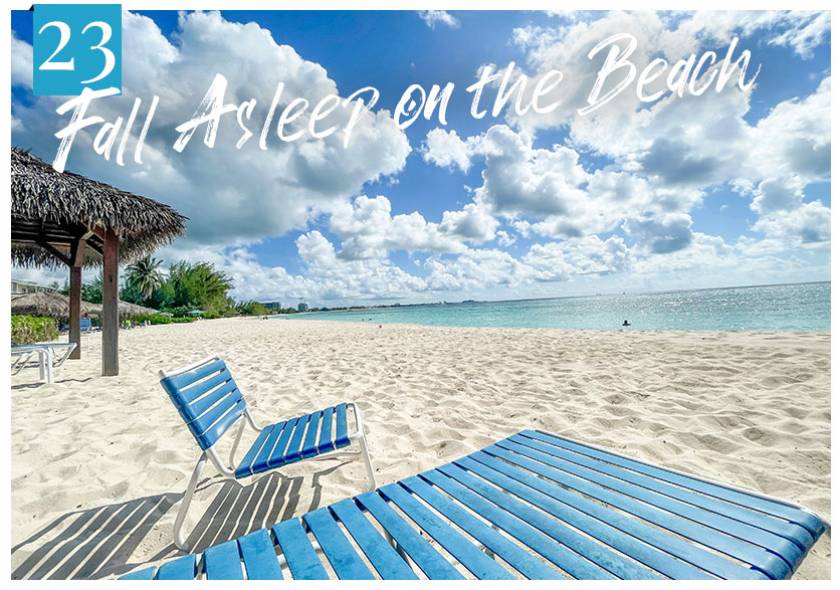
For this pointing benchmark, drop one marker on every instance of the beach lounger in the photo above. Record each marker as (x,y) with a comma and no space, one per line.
(51,355)
(210,402)
(533,505)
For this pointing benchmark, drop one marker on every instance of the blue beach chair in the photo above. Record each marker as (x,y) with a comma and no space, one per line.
(535,506)
(210,402)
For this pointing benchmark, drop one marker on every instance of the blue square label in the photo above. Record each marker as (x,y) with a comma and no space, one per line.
(76,46)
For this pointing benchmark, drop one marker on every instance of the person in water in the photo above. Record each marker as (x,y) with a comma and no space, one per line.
(626,324)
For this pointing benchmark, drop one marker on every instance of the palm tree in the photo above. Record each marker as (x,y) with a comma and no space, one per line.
(144,276)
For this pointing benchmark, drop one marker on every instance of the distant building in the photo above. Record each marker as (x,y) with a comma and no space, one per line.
(19,287)
(273,305)
(302,306)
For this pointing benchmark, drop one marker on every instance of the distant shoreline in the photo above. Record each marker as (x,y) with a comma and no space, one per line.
(785,307)
(605,294)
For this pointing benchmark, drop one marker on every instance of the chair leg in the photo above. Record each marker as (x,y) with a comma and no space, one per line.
(236,444)
(366,457)
(42,366)
(180,540)
(50,358)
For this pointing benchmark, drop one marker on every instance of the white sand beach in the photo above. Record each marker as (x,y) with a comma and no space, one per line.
(98,464)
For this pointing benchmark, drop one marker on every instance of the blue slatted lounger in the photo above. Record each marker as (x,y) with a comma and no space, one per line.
(210,402)
(533,506)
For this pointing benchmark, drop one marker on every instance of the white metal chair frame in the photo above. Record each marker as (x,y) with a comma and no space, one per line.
(228,470)
(47,359)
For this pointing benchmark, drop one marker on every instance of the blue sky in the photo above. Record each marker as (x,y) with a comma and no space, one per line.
(724,189)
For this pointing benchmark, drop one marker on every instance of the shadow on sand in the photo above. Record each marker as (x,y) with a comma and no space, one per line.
(99,542)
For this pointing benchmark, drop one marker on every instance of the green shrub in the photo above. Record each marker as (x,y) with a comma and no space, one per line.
(153,318)
(252,308)
(27,329)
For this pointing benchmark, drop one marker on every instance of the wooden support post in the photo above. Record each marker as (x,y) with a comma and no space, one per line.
(75,310)
(110,304)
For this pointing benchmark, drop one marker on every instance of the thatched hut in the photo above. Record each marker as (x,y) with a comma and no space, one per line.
(64,218)
(128,310)
(50,304)
(57,305)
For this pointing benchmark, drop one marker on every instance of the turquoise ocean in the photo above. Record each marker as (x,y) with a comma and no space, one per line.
(789,308)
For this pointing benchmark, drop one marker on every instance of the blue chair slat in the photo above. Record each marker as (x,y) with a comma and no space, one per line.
(224,419)
(521,560)
(269,447)
(772,524)
(225,393)
(790,513)
(206,419)
(660,551)
(184,380)
(341,438)
(617,564)
(222,562)
(278,456)
(433,564)
(183,568)
(310,443)
(379,552)
(783,547)
(754,555)
(244,467)
(340,553)
(191,395)
(259,556)
(325,442)
(293,452)
(588,512)
(301,558)
(557,553)
(471,557)
(144,574)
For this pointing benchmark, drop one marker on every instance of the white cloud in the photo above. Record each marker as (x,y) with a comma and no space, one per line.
(802,31)
(519,179)
(505,239)
(474,223)
(432,18)
(688,141)
(337,278)
(807,225)
(580,256)
(283,186)
(476,270)
(629,216)
(21,62)
(447,150)
(775,194)
(794,138)
(661,233)
(368,230)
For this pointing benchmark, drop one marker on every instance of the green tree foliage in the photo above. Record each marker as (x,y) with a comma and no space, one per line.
(92,291)
(186,288)
(197,286)
(144,277)
(252,308)
(27,329)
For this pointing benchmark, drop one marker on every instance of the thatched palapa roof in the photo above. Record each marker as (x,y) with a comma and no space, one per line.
(47,303)
(57,207)
(56,305)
